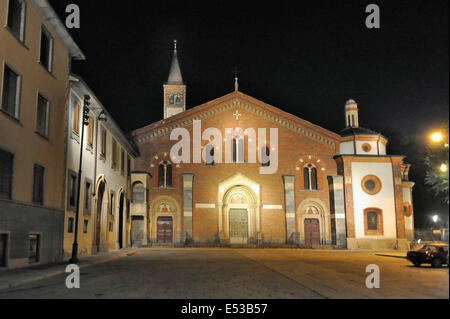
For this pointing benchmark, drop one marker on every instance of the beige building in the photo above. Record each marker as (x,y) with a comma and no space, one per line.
(108,158)
(35,58)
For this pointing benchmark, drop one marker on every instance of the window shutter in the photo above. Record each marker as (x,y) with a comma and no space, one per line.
(41,117)
(10,91)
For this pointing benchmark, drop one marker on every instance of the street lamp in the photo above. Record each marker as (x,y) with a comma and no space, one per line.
(437,137)
(444,168)
(87,103)
(435,218)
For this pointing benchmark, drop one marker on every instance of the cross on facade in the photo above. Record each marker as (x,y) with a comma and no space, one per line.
(237,115)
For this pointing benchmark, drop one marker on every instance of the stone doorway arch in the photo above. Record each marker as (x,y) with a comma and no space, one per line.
(100,211)
(165,207)
(310,210)
(239,193)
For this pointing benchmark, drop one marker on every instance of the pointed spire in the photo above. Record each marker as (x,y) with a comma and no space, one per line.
(175,77)
(236,79)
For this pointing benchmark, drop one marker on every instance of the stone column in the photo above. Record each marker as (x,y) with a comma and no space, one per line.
(291,236)
(187,207)
(337,210)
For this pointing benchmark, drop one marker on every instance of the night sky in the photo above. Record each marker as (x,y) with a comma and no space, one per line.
(305,57)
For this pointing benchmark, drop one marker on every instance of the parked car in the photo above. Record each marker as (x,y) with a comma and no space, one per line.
(434,254)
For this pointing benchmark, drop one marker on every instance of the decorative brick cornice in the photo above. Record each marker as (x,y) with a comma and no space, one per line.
(145,137)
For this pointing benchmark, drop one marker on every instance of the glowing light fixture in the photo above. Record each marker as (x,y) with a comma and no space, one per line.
(437,137)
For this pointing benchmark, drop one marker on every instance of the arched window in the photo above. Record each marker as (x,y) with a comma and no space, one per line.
(178,99)
(265,156)
(138,193)
(238,150)
(209,152)
(314,178)
(306,178)
(165,175)
(310,177)
(172,99)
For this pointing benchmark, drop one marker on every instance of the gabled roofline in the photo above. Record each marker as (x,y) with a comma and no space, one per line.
(47,12)
(234,95)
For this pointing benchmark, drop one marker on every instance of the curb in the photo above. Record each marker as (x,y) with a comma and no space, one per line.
(393,256)
(8,285)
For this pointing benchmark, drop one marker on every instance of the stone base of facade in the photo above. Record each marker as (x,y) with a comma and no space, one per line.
(19,221)
(377,244)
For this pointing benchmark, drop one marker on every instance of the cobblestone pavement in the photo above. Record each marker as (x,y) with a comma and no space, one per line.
(243,273)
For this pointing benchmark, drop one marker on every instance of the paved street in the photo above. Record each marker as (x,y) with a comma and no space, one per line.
(243,273)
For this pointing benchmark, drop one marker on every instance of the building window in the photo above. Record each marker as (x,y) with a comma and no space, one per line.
(366,147)
(11,92)
(110,227)
(38,184)
(6,174)
(209,152)
(310,177)
(90,137)
(114,154)
(16,18)
(122,162)
(265,156)
(111,204)
(172,99)
(178,99)
(76,118)
(33,248)
(87,197)
(407,209)
(85,226)
(70,224)
(371,184)
(128,166)
(3,250)
(46,57)
(42,116)
(103,144)
(165,175)
(138,193)
(72,191)
(373,221)
(237,150)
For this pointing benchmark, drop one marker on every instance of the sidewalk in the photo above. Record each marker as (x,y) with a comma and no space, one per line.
(11,278)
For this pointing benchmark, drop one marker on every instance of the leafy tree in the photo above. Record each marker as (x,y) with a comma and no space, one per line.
(436,160)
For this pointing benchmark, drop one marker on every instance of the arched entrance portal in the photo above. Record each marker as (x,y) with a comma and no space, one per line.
(165,221)
(98,215)
(121,217)
(239,211)
(313,223)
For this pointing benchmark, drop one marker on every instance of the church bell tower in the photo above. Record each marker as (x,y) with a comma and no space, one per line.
(174,89)
(351,114)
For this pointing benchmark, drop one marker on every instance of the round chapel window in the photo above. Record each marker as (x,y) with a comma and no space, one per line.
(366,147)
(371,184)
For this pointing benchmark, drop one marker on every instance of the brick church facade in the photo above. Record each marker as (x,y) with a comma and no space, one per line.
(322,188)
